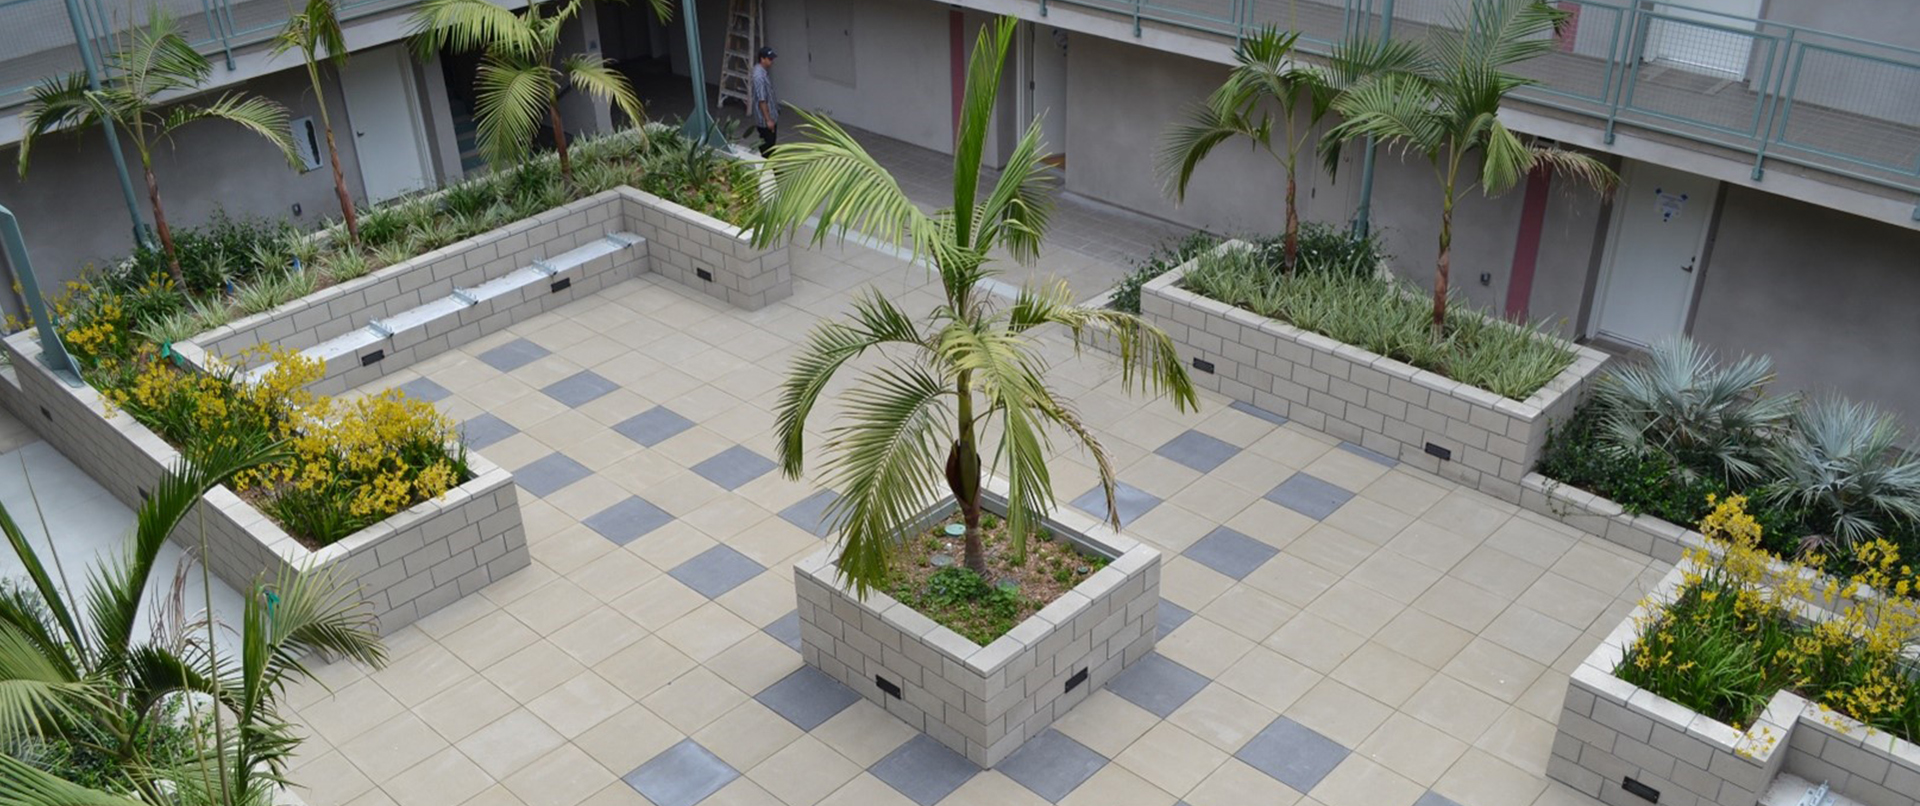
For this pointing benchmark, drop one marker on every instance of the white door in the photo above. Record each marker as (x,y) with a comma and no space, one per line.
(383,116)
(1047,86)
(1705,47)
(1659,229)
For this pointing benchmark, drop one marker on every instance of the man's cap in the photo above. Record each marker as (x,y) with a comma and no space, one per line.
(767,53)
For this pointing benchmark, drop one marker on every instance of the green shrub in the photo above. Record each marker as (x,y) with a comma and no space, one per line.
(1841,464)
(1324,247)
(210,254)
(1707,418)
(1169,256)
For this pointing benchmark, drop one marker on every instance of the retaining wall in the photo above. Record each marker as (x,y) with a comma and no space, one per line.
(703,252)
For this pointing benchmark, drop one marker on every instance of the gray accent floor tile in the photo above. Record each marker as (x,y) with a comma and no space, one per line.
(1132,501)
(1157,684)
(807,697)
(486,429)
(786,630)
(810,514)
(715,571)
(1230,552)
(924,770)
(1309,496)
(628,520)
(1292,754)
(1432,798)
(733,467)
(580,388)
(425,389)
(1368,454)
(1202,452)
(1250,409)
(653,426)
(1051,765)
(513,355)
(682,775)
(1171,617)
(549,474)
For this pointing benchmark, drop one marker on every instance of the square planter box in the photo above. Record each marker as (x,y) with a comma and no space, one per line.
(984,702)
(1440,425)
(1617,740)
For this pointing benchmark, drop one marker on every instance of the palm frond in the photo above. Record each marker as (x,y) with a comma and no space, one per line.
(1395,108)
(1189,143)
(976,117)
(1584,168)
(253,113)
(37,691)
(596,77)
(512,98)
(874,321)
(21,784)
(470,25)
(831,174)
(1017,209)
(886,464)
(56,606)
(1147,353)
(58,104)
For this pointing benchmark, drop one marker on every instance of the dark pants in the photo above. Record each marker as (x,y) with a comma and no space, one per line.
(767,137)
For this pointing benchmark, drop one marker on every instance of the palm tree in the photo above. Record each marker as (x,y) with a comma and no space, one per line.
(1444,105)
(518,80)
(311,30)
(1265,76)
(919,420)
(152,62)
(90,684)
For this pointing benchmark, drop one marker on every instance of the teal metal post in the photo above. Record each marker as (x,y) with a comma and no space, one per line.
(52,352)
(699,127)
(1362,215)
(113,137)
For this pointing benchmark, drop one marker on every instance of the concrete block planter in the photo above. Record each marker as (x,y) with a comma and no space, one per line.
(703,252)
(411,564)
(1461,432)
(1625,745)
(984,702)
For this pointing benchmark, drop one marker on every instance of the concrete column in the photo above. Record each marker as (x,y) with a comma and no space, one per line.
(443,144)
(583,113)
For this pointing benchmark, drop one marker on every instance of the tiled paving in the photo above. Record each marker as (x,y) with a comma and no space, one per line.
(1320,607)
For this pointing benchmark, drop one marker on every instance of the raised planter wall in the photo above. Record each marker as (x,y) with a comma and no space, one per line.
(1596,515)
(1611,732)
(407,566)
(1382,404)
(683,244)
(984,702)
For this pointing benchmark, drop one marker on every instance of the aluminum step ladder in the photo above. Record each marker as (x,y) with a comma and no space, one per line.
(746,31)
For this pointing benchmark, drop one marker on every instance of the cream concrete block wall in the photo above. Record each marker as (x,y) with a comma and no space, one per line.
(1377,402)
(683,243)
(1611,732)
(984,702)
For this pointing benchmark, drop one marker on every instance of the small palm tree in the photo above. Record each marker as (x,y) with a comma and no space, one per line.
(72,671)
(151,62)
(919,421)
(1445,103)
(1265,77)
(519,80)
(314,30)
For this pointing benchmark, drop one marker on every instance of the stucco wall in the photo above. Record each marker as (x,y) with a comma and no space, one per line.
(901,87)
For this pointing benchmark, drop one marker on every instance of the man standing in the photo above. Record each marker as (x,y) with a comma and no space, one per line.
(766,105)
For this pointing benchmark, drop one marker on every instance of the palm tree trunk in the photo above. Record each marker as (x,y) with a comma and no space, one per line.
(1441,268)
(347,213)
(1293,222)
(560,140)
(963,478)
(166,233)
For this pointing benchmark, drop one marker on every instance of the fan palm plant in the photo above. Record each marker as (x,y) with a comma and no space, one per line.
(1444,105)
(1706,417)
(1842,464)
(149,64)
(315,31)
(919,420)
(520,71)
(71,670)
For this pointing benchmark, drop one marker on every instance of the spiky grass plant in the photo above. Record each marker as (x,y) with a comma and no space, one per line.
(1710,418)
(1842,463)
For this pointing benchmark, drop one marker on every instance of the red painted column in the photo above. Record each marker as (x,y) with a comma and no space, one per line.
(1526,248)
(957,55)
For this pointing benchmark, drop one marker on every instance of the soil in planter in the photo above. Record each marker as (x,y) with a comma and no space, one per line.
(930,576)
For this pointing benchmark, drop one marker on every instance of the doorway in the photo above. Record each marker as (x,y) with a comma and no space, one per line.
(1705,37)
(1045,59)
(383,110)
(1659,233)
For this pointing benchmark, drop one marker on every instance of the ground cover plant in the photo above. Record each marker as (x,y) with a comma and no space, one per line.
(1730,640)
(1385,316)
(925,576)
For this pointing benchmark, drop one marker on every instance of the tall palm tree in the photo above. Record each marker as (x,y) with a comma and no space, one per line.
(520,80)
(151,62)
(313,30)
(919,421)
(1445,106)
(1265,78)
(71,669)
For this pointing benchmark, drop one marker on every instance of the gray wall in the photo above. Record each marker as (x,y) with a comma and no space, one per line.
(1828,295)
(70,206)
(902,87)
(1574,229)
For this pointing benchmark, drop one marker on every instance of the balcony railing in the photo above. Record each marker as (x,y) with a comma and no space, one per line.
(1778,93)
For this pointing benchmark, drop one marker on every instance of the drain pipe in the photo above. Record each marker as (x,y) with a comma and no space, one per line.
(52,352)
(113,138)
(1362,215)
(699,126)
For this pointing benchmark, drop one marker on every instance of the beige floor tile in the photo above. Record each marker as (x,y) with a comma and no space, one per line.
(592,494)
(1222,717)
(1423,638)
(610,410)
(866,790)
(1104,722)
(641,669)
(1359,781)
(1413,749)
(489,639)
(564,777)
(445,777)
(1460,604)
(1269,678)
(1331,549)
(742,792)
(1367,519)
(747,735)
(1403,490)
(1204,646)
(596,635)
(1315,642)
(1520,739)
(1565,600)
(990,788)
(391,747)
(638,473)
(628,738)
(1171,758)
(1248,612)
(1356,607)
(1455,707)
(374,797)
(1171,527)
(761,600)
(419,676)
(350,711)
(447,620)
(1524,630)
(1480,778)
(573,547)
(1496,572)
(330,780)
(578,704)
(1225,502)
(693,700)
(1381,673)
(510,743)
(1236,784)
(1269,523)
(1546,696)
(1347,469)
(553,606)
(803,772)
(726,517)
(1531,538)
(568,430)
(1292,446)
(1397,576)
(772,540)
(754,662)
(864,733)
(1494,669)
(1597,567)
(1190,584)
(1338,712)
(659,602)
(1114,785)
(532,671)
(1254,471)
(1469,513)
(464,707)
(617,793)
(1158,475)
(1291,580)
(705,632)
(1432,545)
